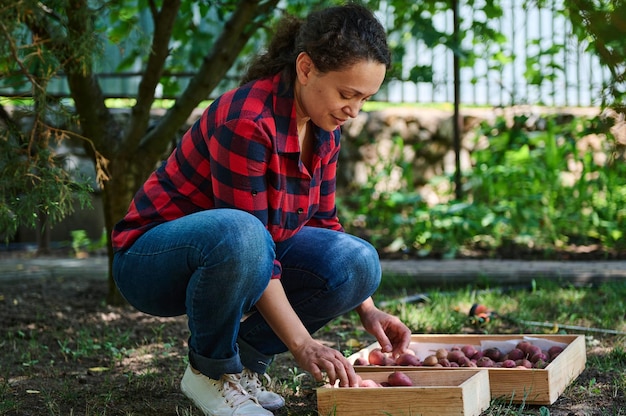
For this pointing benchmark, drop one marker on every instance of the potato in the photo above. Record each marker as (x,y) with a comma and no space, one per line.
(540,356)
(441,353)
(360,361)
(376,357)
(369,383)
(455,355)
(494,353)
(408,360)
(468,350)
(532,350)
(398,379)
(484,362)
(431,360)
(444,362)
(508,364)
(516,354)
(389,361)
(554,352)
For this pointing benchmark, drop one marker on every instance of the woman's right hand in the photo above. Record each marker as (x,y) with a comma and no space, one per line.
(311,355)
(319,359)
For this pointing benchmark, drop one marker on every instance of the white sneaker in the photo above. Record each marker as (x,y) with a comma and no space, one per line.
(251,382)
(223,397)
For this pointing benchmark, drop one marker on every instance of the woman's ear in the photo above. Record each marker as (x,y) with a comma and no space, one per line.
(304,67)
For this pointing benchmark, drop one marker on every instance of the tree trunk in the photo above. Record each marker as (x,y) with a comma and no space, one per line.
(134,160)
(116,195)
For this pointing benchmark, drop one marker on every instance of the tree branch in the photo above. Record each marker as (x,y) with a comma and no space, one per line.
(97,123)
(245,20)
(159,51)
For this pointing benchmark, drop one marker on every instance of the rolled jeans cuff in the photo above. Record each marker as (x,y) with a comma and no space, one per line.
(252,359)
(215,368)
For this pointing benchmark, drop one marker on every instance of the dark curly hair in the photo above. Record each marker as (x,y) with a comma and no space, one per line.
(335,38)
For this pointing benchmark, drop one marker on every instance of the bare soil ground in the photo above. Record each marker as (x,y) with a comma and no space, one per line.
(65,352)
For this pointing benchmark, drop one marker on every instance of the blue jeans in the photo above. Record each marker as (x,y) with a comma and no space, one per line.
(214,266)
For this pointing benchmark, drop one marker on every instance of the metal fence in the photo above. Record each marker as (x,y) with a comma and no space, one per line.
(533,72)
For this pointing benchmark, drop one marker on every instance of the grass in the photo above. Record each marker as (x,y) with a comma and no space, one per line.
(67,353)
(599,308)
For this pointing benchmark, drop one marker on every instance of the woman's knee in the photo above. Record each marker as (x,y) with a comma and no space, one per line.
(363,257)
(233,235)
(355,263)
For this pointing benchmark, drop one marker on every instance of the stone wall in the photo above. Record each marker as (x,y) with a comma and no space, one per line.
(387,142)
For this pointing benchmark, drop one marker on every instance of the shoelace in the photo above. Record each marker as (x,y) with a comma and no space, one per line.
(253,378)
(234,394)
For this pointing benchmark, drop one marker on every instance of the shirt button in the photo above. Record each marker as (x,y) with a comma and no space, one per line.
(253,193)
(300,211)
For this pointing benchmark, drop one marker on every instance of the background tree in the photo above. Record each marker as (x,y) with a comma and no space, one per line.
(603,25)
(67,36)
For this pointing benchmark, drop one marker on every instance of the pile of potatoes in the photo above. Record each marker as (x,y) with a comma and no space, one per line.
(525,355)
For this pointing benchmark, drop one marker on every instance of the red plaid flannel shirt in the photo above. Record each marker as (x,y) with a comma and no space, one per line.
(242,153)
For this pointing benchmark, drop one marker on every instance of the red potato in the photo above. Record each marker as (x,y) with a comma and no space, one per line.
(408,359)
(469,350)
(389,361)
(361,361)
(399,379)
(494,353)
(523,345)
(484,362)
(508,364)
(455,355)
(554,352)
(464,361)
(515,354)
(539,357)
(369,383)
(376,357)
(532,350)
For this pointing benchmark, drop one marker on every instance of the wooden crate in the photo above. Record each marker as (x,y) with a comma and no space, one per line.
(434,393)
(532,386)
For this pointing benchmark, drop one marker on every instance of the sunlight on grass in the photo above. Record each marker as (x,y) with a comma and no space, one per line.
(600,308)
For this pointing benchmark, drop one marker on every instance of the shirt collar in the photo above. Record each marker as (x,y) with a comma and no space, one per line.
(285,116)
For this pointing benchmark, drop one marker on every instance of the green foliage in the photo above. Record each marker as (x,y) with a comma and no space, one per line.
(538,189)
(36,186)
(551,187)
(602,25)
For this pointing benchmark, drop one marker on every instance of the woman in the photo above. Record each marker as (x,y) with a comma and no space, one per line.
(238,228)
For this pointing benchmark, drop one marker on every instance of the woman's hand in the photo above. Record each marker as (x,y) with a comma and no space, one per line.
(318,359)
(310,355)
(392,335)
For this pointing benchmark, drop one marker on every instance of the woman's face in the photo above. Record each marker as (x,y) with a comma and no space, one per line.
(331,98)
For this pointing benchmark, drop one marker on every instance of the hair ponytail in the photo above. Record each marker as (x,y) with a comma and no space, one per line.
(280,55)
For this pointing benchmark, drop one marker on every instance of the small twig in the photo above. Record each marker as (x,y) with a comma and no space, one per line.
(571,327)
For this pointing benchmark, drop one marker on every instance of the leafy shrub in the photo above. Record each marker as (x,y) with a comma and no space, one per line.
(535,189)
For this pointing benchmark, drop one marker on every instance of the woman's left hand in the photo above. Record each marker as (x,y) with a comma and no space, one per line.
(392,335)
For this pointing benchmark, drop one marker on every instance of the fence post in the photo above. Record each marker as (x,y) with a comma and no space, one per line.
(458,191)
